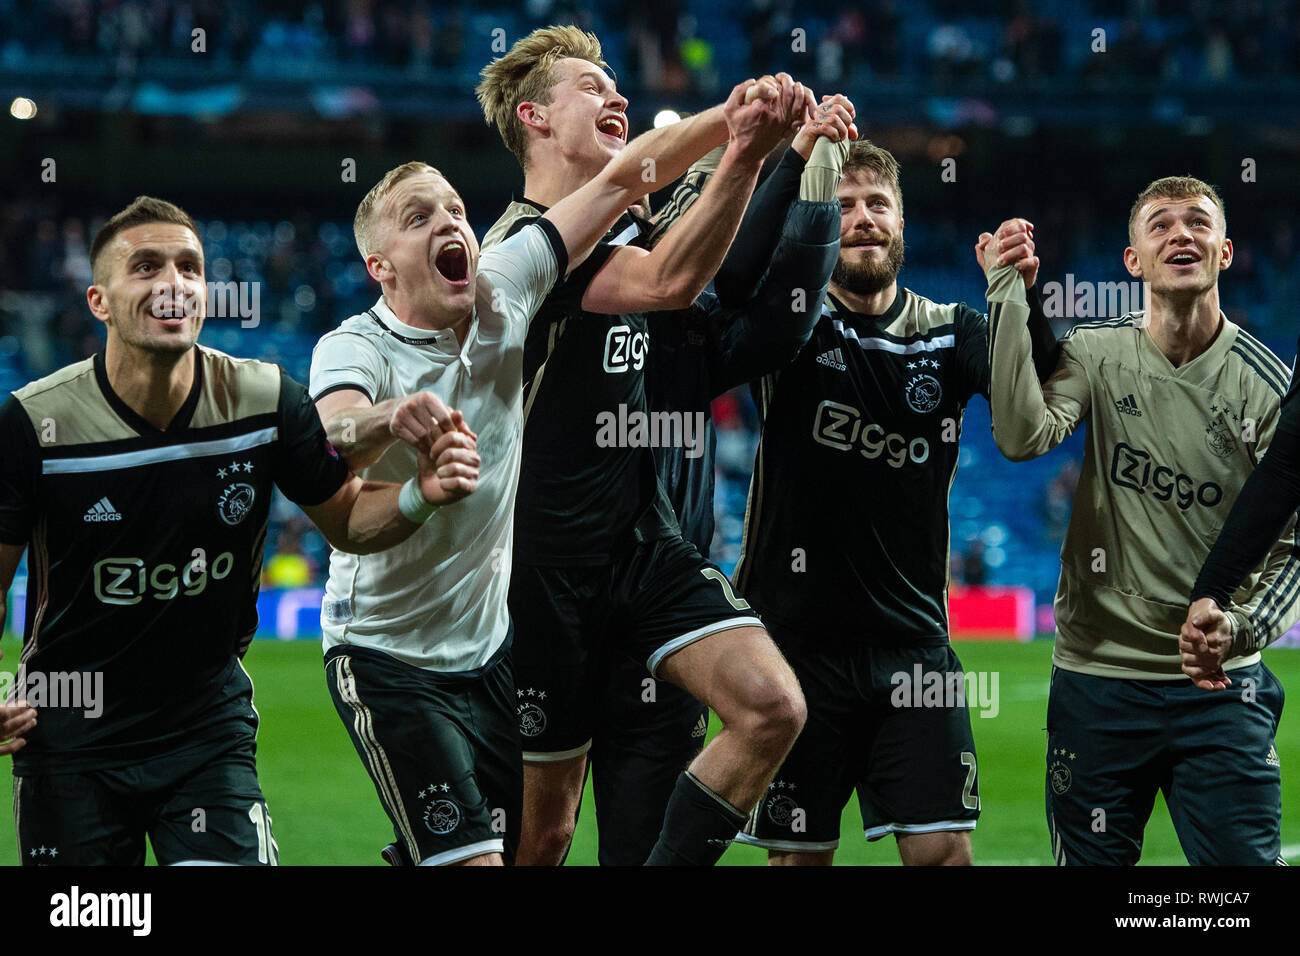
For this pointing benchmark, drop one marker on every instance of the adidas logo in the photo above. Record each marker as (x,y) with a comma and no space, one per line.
(833,358)
(102,510)
(701,728)
(1129,406)
(1271,759)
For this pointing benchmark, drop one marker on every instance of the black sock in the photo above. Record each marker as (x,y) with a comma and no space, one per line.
(698,826)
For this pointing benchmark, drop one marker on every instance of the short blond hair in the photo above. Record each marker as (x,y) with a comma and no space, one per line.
(364,223)
(864,154)
(526,75)
(1173,187)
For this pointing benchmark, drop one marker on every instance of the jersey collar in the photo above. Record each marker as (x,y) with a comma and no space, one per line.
(1204,366)
(885,318)
(134,419)
(390,323)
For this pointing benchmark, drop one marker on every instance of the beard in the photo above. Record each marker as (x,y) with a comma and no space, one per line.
(869,278)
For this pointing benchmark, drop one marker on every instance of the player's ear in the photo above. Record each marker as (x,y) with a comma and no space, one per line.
(97,299)
(533,115)
(1225,254)
(1132,263)
(379,268)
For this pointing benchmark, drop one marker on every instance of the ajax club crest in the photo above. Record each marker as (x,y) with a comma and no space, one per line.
(441,815)
(532,719)
(923,391)
(1058,772)
(236,502)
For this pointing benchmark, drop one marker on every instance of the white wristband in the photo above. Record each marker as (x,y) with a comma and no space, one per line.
(412,505)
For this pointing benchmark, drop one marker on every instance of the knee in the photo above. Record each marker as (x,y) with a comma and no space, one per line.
(774,711)
(546,843)
(938,849)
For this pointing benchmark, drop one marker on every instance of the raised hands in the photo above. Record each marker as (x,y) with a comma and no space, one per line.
(1012,243)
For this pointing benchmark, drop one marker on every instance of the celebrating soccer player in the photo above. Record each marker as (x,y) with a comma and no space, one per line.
(601,568)
(417,640)
(769,292)
(845,552)
(140,482)
(1180,405)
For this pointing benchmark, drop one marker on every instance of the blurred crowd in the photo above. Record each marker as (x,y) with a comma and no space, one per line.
(675,45)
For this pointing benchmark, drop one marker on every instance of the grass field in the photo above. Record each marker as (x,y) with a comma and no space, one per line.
(326,812)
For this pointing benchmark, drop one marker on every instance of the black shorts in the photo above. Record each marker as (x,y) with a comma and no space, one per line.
(904,745)
(442,750)
(647,732)
(1112,743)
(198,806)
(573,624)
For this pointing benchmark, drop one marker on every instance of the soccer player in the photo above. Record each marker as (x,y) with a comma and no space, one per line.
(417,640)
(1180,405)
(782,257)
(139,481)
(601,569)
(1215,631)
(851,576)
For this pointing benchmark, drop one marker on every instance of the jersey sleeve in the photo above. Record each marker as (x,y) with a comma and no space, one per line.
(767,333)
(973,345)
(759,233)
(685,195)
(1261,529)
(1029,418)
(307,468)
(19,467)
(526,266)
(346,360)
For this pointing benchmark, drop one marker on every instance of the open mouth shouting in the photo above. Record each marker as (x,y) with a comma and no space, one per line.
(452,263)
(613,127)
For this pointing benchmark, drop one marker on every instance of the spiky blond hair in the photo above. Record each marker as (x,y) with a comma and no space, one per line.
(526,75)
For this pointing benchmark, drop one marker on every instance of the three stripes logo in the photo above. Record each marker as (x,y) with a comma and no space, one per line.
(1129,406)
(701,728)
(102,510)
(833,358)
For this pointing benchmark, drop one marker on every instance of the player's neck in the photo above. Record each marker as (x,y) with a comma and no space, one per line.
(1184,328)
(871,303)
(432,320)
(551,176)
(154,385)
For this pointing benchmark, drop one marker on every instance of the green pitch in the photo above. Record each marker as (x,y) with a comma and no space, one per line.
(325,809)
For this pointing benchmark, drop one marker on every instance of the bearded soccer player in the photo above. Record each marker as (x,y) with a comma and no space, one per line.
(417,642)
(140,482)
(601,568)
(852,580)
(1181,404)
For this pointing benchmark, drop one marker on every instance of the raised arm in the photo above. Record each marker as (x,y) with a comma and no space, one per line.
(1029,419)
(809,171)
(674,273)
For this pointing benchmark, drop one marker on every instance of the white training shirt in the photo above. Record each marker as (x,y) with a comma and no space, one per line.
(438,599)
